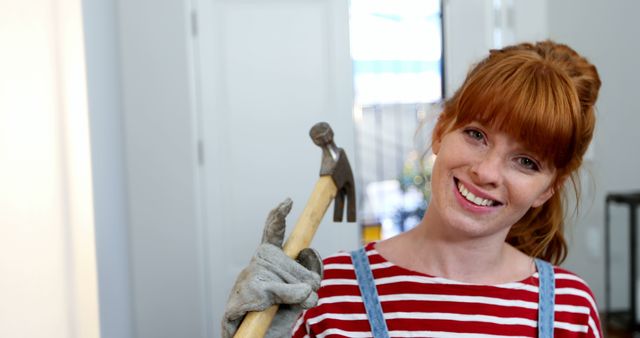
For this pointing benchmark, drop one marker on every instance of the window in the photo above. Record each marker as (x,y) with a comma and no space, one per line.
(396,47)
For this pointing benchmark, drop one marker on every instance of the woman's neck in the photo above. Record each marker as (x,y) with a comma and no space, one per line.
(430,250)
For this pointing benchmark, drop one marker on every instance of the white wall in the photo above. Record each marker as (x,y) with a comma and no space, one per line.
(143,136)
(607,33)
(469,27)
(107,149)
(48,286)
(468,37)
(166,241)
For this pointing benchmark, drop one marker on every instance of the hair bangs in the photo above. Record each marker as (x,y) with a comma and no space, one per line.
(528,100)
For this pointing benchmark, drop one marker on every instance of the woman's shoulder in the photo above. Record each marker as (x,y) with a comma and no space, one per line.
(344,257)
(340,257)
(340,266)
(573,297)
(567,278)
(573,288)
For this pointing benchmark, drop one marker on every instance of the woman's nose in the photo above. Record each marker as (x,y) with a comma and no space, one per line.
(487,169)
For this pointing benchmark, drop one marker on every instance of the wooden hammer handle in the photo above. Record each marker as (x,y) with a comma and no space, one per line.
(256,324)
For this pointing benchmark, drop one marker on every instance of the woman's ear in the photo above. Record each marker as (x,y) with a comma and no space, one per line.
(547,194)
(544,197)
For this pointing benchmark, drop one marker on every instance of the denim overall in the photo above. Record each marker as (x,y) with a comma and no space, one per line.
(374,309)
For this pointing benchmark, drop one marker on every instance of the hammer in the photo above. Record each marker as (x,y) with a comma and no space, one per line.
(335,182)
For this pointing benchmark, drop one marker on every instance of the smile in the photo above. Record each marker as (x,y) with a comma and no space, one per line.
(475,199)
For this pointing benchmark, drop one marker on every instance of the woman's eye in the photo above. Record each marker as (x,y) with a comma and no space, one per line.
(528,163)
(475,134)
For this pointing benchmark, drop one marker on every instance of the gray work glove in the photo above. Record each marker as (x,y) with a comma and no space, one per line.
(274,278)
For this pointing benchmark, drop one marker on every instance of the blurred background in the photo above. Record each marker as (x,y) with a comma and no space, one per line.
(142,143)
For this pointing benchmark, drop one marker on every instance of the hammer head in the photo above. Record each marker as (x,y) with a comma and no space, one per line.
(336,164)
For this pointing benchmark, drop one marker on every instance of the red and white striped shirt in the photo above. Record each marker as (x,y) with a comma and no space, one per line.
(419,305)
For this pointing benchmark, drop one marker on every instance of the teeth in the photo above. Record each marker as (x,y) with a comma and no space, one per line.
(473,198)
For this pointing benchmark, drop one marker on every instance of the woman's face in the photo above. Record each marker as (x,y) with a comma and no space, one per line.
(483,181)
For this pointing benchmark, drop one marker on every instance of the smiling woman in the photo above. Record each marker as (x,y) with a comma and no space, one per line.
(473,266)
(513,91)
(493,179)
(477,265)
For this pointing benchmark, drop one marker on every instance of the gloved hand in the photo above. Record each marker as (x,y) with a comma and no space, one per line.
(274,278)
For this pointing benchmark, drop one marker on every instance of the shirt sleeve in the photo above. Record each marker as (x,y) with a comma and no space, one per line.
(299,328)
(595,330)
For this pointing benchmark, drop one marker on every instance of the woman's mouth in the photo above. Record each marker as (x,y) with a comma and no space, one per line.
(477,200)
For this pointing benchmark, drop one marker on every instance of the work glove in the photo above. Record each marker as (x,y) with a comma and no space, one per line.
(273,278)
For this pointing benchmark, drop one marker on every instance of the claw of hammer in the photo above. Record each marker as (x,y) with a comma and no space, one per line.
(336,165)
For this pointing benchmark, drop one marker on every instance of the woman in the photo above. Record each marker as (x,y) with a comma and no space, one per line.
(506,144)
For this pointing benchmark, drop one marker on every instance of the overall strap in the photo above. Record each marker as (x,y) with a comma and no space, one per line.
(546,300)
(369,293)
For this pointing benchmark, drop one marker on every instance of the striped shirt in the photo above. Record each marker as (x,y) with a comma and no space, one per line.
(419,305)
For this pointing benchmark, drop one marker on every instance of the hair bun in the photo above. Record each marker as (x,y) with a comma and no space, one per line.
(582,73)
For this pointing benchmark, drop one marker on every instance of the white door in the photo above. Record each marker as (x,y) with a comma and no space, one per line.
(268,70)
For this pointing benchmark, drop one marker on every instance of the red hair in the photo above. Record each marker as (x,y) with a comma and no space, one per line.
(543,95)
